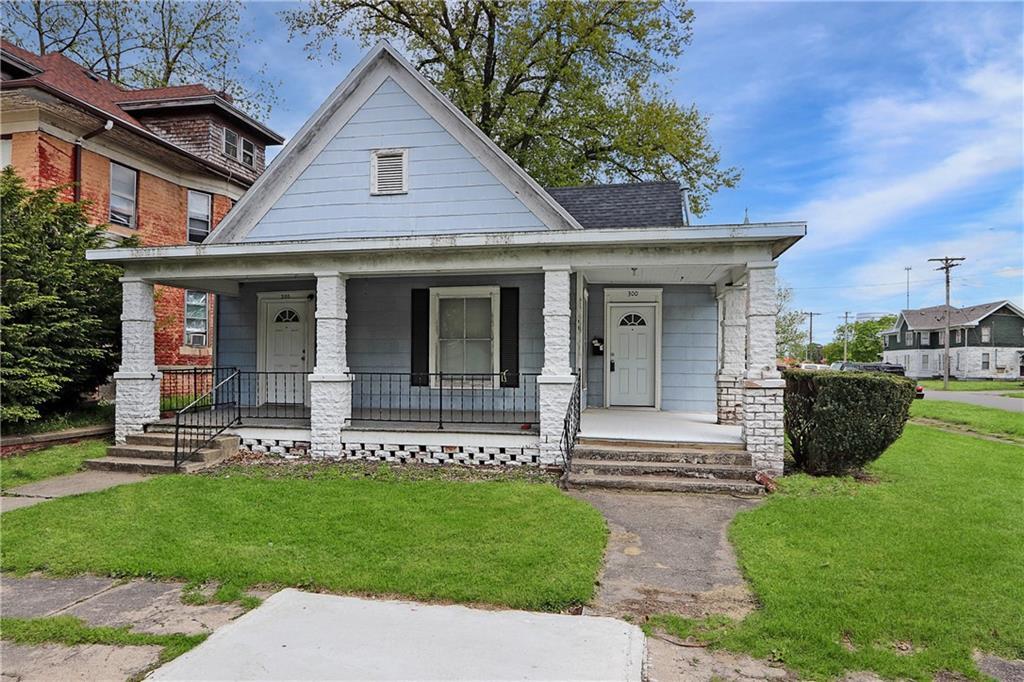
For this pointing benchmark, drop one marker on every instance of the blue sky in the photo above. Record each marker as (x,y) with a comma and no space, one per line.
(894,129)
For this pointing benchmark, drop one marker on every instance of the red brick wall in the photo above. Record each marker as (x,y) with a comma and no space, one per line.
(161,215)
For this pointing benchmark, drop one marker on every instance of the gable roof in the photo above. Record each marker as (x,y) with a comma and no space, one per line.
(635,204)
(934,317)
(382,62)
(74,82)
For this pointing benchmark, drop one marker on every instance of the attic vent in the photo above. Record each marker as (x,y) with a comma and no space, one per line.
(388,171)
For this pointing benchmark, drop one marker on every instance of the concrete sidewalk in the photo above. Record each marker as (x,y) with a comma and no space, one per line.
(299,636)
(62,486)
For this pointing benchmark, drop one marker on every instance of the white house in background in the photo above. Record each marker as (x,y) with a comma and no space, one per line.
(986,341)
(395,287)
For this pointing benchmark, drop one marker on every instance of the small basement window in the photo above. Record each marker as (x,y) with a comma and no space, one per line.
(389,171)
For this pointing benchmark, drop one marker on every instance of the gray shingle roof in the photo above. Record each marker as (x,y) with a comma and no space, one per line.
(635,204)
(935,316)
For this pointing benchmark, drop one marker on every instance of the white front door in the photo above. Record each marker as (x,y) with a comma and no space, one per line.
(287,350)
(631,365)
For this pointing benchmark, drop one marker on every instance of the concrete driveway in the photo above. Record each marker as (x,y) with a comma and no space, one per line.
(984,398)
(300,636)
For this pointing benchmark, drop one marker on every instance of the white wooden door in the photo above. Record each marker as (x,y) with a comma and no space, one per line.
(631,366)
(287,351)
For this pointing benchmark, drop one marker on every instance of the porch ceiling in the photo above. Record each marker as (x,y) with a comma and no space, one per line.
(659,274)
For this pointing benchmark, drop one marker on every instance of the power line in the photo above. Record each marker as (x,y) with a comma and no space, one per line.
(810,333)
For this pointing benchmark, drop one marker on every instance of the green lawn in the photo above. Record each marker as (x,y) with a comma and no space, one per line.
(1015,394)
(60,459)
(517,544)
(93,415)
(930,556)
(987,420)
(936,385)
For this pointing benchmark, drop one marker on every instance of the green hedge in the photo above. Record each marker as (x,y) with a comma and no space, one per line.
(839,421)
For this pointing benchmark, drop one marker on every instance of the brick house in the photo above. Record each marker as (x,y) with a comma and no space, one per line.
(397,288)
(164,165)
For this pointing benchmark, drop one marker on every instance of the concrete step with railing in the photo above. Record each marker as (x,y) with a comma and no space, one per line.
(153,453)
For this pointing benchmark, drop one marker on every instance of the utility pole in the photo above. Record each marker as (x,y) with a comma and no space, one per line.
(810,333)
(908,269)
(947,264)
(846,334)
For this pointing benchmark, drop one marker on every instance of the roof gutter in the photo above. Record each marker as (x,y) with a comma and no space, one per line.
(131,127)
(785,234)
(76,159)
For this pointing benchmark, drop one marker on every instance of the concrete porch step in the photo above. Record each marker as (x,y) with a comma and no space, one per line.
(657,445)
(659,468)
(135,450)
(142,465)
(680,455)
(670,484)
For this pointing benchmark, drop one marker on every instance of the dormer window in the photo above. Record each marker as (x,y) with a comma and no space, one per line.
(389,171)
(248,153)
(230,143)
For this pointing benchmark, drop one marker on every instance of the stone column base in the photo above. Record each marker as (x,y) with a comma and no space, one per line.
(554,392)
(330,397)
(730,399)
(137,402)
(763,426)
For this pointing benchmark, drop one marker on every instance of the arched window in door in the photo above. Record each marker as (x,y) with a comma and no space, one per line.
(287,315)
(632,320)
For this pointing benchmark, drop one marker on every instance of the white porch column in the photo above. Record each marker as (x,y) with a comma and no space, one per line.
(556,381)
(137,381)
(763,387)
(330,386)
(732,301)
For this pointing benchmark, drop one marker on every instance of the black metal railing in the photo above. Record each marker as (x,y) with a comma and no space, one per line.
(441,398)
(197,424)
(274,395)
(179,386)
(571,426)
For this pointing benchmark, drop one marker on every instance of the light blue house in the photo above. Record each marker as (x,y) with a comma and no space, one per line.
(395,287)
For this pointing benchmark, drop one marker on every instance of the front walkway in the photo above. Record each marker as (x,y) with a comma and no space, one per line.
(62,486)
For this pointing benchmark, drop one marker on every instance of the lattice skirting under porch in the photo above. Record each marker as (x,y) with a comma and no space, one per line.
(402,453)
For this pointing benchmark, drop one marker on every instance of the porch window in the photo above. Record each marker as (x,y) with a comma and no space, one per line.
(124,184)
(198,216)
(986,334)
(908,338)
(464,330)
(197,316)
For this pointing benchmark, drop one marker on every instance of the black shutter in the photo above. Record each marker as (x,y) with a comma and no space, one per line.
(508,349)
(420,326)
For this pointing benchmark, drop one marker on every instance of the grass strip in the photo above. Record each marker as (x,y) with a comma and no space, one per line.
(71,631)
(985,420)
(42,464)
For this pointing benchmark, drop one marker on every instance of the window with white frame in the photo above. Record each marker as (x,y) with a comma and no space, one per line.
(908,338)
(197,317)
(464,330)
(986,334)
(389,171)
(986,360)
(6,150)
(958,361)
(248,153)
(886,340)
(926,338)
(924,361)
(942,338)
(230,143)
(124,183)
(199,212)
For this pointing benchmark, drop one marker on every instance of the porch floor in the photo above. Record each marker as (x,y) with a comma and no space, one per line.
(645,424)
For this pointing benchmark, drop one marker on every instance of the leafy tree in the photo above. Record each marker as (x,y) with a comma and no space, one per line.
(59,316)
(863,342)
(568,89)
(145,44)
(790,339)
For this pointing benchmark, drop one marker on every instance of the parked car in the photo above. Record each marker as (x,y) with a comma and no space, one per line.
(812,366)
(887,367)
